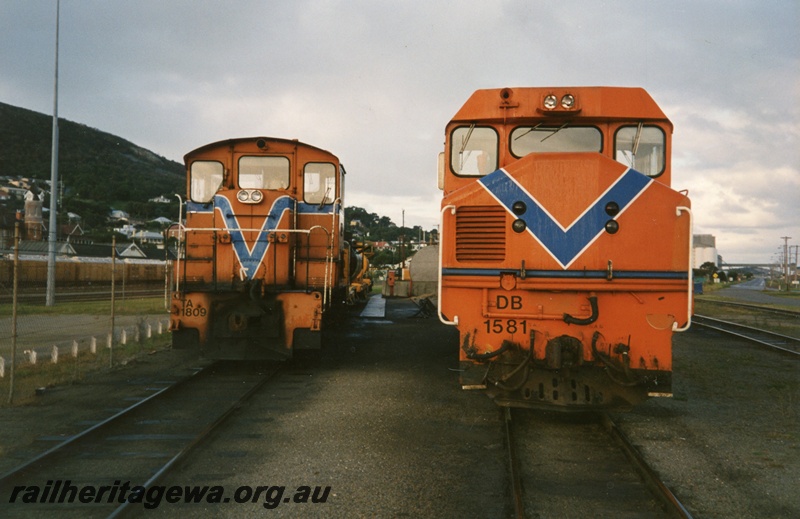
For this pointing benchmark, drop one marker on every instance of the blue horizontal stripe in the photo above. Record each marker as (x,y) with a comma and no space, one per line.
(569,274)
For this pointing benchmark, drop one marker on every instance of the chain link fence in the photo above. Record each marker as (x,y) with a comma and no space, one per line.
(104,311)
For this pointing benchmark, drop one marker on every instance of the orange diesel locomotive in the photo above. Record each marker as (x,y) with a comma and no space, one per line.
(565,254)
(263,257)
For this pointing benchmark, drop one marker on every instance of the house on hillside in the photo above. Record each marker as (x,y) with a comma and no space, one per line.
(148,237)
(161,220)
(71,231)
(122,250)
(41,248)
(118,216)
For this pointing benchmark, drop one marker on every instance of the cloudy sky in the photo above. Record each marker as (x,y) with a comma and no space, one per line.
(375,82)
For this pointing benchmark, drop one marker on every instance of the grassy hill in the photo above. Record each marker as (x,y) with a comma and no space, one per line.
(98,170)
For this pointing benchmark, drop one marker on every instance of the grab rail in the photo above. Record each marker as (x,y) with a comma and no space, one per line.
(675,328)
(454,322)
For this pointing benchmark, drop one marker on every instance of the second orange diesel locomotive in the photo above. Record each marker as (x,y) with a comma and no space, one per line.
(263,257)
(565,254)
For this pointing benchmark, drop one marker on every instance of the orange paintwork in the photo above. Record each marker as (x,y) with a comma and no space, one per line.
(259,271)
(508,289)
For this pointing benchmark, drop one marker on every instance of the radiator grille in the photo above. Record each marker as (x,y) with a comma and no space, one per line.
(480,233)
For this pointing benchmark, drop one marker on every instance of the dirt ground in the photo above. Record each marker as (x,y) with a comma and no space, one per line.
(727,443)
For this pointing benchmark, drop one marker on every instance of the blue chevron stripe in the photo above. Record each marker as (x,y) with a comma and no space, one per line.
(251,257)
(565,244)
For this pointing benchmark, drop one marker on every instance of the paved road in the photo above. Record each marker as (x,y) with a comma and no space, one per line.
(753,291)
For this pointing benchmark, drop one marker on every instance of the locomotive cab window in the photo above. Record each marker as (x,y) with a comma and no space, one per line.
(263,172)
(319,183)
(473,150)
(542,138)
(641,147)
(206,178)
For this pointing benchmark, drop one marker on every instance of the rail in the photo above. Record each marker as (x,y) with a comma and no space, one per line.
(774,341)
(532,440)
(672,504)
(761,308)
(513,467)
(226,382)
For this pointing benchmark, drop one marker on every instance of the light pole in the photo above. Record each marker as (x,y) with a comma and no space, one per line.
(786,260)
(53,225)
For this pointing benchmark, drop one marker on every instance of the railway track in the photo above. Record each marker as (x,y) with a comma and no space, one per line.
(774,341)
(570,466)
(135,447)
(760,308)
(77,295)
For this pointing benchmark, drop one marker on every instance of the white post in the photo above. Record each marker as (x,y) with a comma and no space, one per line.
(93,345)
(2,367)
(149,329)
(75,349)
(54,355)
(123,337)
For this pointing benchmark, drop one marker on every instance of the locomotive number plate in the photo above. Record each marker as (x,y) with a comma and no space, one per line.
(507,326)
(191,310)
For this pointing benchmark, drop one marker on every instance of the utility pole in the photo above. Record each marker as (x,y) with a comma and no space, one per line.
(786,260)
(402,240)
(53,225)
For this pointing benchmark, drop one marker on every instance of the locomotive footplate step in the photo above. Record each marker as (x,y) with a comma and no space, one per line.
(376,307)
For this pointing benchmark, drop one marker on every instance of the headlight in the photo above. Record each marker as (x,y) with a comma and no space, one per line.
(249,196)
(568,101)
(550,102)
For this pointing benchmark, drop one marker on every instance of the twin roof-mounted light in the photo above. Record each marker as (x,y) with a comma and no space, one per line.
(551,102)
(250,196)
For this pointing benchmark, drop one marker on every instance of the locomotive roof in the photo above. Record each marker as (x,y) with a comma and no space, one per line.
(603,102)
(235,141)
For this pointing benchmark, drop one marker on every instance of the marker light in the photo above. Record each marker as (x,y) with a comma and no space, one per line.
(612,227)
(550,102)
(519,225)
(518,207)
(612,209)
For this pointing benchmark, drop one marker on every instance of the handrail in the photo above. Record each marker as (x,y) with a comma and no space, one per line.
(329,257)
(180,244)
(214,229)
(454,322)
(675,328)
